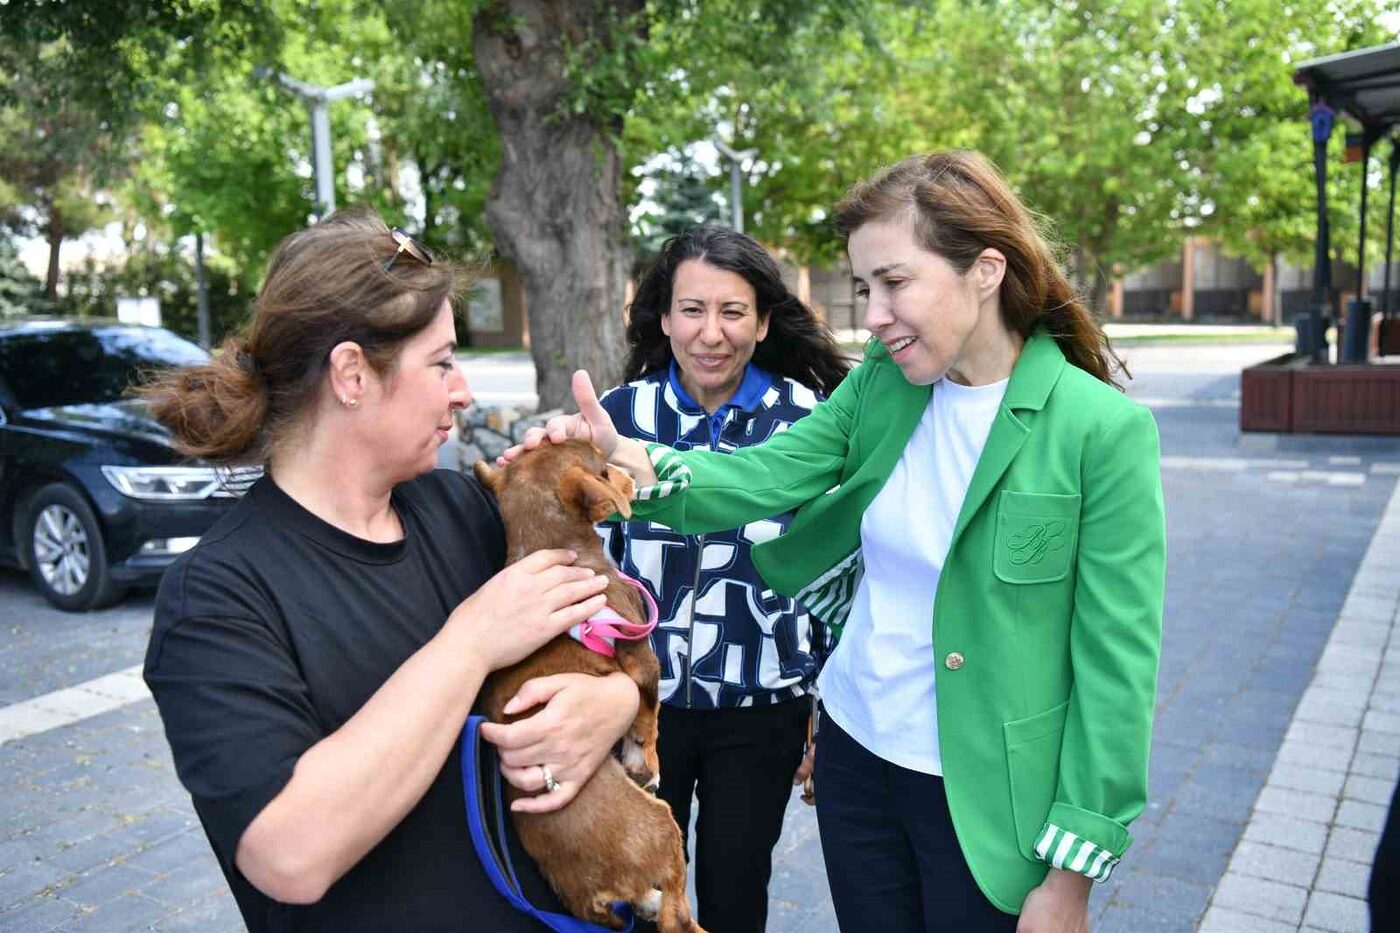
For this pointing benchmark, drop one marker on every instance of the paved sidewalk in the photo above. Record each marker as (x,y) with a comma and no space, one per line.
(1306,855)
(72,704)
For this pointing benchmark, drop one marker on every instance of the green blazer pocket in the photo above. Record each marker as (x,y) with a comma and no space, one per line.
(1036,536)
(1033,766)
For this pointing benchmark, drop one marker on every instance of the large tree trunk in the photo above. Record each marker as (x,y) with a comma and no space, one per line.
(1097,295)
(1089,279)
(556,209)
(1081,272)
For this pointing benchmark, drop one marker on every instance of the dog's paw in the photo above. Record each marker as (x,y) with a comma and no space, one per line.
(634,762)
(601,911)
(649,907)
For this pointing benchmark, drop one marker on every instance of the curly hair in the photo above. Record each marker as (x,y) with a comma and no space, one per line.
(798,345)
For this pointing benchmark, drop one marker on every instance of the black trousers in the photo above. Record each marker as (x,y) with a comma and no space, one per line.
(739,764)
(1383,892)
(892,857)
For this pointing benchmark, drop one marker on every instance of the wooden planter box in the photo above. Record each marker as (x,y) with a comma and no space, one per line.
(1266,396)
(1389,337)
(1346,400)
(1287,395)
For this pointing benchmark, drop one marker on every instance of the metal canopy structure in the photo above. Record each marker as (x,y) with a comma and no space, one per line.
(1364,83)
(1365,86)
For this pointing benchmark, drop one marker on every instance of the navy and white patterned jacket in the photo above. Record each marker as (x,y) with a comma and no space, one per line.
(752,647)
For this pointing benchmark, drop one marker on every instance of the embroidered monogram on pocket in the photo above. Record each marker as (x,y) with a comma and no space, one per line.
(1035,536)
(1037,540)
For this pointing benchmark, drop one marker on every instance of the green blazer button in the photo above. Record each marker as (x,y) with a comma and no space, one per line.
(953,661)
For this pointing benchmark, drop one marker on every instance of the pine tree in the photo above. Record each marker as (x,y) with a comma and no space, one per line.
(684,198)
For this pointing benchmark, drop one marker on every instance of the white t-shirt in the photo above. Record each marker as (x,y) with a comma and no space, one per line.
(878,684)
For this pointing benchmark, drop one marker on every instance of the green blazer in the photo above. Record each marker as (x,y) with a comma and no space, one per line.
(1048,614)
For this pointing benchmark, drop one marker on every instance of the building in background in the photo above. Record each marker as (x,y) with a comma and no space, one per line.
(1202,283)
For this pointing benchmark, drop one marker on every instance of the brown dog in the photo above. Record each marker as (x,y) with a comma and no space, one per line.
(614,841)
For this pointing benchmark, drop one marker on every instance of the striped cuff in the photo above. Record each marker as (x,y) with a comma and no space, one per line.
(1063,849)
(672,475)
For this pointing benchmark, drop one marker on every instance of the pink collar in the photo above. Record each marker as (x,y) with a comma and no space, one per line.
(602,629)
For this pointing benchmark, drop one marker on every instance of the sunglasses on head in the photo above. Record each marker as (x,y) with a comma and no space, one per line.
(407,244)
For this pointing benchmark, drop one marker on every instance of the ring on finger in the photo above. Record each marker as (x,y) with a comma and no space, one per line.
(550,785)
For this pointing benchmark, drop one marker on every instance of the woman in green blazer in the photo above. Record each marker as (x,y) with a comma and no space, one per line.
(981,524)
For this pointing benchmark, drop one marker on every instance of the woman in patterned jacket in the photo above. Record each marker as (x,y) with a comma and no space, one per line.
(723,356)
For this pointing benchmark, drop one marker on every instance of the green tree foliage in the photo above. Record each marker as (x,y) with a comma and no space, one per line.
(108,44)
(166,273)
(20,291)
(56,150)
(1082,110)
(684,198)
(1252,146)
(230,153)
(806,84)
(1072,100)
(74,79)
(1126,124)
(433,112)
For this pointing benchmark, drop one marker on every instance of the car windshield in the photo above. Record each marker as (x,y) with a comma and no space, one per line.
(44,369)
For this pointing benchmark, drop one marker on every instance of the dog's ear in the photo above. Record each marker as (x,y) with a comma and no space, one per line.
(592,496)
(488,476)
(624,485)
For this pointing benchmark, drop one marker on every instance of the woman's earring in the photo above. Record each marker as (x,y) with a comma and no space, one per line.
(348,402)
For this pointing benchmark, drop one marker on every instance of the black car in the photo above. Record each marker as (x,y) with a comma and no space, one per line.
(93,497)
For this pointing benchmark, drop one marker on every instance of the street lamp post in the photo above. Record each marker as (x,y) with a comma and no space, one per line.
(736,193)
(317,100)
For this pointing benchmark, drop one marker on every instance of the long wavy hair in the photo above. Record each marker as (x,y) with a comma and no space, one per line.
(798,345)
(961,205)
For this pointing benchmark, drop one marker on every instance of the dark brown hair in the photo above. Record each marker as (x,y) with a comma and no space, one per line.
(324,285)
(960,205)
(798,345)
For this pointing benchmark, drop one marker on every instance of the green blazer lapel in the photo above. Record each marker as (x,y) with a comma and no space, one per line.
(893,414)
(1034,375)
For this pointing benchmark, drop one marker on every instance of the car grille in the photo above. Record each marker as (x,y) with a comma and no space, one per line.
(235,481)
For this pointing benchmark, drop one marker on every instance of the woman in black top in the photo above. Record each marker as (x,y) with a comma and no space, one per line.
(315,656)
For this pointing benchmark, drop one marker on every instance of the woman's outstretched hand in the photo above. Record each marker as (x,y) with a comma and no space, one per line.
(592,423)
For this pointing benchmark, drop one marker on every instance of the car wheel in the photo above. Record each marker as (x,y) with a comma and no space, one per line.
(66,554)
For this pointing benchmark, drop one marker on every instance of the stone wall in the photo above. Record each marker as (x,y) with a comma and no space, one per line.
(484,432)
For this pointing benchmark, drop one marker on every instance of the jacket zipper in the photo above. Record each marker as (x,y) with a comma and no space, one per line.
(695,594)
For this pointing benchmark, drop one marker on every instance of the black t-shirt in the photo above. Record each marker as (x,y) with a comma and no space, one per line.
(274,631)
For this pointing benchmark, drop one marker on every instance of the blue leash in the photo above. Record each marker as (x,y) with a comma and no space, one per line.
(485,805)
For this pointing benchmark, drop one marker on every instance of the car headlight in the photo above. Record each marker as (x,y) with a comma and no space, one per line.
(161,482)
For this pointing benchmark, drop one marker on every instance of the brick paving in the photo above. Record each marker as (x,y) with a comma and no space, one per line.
(97,834)
(1306,855)
(1264,545)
